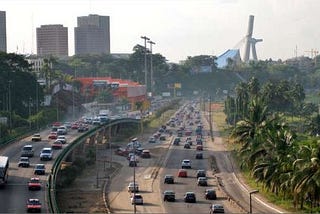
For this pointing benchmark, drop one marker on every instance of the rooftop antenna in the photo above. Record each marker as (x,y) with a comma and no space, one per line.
(250,42)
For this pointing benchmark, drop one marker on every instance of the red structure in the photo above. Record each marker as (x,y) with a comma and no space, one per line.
(121,89)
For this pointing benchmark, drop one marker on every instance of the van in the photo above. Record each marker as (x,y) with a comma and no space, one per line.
(27,151)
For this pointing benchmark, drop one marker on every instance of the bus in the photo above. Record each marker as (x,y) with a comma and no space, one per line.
(4,166)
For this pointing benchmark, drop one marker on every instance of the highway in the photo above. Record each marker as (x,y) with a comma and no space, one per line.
(15,193)
(165,159)
(231,192)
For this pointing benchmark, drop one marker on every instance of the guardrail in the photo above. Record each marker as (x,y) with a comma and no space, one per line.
(51,183)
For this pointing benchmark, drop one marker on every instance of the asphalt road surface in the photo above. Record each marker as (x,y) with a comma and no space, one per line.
(14,195)
(232,193)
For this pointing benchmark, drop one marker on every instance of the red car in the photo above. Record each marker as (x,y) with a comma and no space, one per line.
(199,147)
(34,184)
(75,126)
(53,135)
(57,145)
(182,173)
(33,205)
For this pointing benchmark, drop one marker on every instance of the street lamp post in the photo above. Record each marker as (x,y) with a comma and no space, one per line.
(10,108)
(74,77)
(37,103)
(250,199)
(151,67)
(145,61)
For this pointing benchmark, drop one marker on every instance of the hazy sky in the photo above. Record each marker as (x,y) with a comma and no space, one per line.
(180,28)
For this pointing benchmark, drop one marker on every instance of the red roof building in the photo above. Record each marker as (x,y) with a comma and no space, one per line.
(127,89)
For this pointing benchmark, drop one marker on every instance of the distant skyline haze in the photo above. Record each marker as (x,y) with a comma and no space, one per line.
(180,28)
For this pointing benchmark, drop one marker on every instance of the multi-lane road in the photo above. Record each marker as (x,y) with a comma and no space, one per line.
(165,159)
(231,192)
(14,195)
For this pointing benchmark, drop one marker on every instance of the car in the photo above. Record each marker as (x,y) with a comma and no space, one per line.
(27,151)
(57,144)
(132,157)
(199,155)
(62,130)
(62,138)
(34,184)
(168,179)
(39,169)
(122,152)
(187,146)
(199,148)
(24,162)
(152,140)
(162,138)
(216,208)
(33,205)
(188,132)
(202,181)
(145,154)
(83,128)
(46,154)
(169,195)
(36,137)
(210,194)
(67,125)
(190,197)
(139,151)
(186,163)
(133,187)
(199,141)
(133,163)
(137,199)
(176,141)
(53,135)
(76,125)
(201,173)
(182,173)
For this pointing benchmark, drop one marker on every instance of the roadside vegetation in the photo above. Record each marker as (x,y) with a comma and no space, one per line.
(275,134)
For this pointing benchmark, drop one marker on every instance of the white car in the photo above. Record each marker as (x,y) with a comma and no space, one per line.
(62,139)
(133,187)
(46,154)
(136,199)
(186,163)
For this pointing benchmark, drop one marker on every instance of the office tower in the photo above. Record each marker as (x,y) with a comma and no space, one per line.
(3,32)
(92,35)
(52,40)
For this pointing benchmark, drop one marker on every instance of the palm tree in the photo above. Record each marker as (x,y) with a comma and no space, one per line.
(307,174)
(250,132)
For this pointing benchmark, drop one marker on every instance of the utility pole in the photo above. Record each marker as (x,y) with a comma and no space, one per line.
(145,61)
(151,67)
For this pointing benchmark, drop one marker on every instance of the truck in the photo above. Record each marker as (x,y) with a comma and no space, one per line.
(104,115)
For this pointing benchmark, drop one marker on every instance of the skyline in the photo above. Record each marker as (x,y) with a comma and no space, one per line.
(180,28)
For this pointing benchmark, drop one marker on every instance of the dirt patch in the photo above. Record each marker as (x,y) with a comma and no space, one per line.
(85,194)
